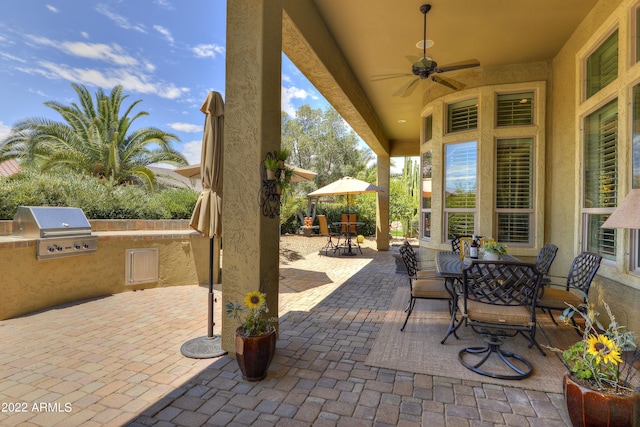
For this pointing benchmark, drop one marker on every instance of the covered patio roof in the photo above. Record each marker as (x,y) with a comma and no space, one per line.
(340,46)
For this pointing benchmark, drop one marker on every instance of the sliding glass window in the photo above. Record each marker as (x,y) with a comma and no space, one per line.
(600,181)
(461,164)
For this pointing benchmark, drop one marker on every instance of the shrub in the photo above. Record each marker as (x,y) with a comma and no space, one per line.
(98,199)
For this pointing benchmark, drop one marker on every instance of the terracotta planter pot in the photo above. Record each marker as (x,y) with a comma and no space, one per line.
(254,354)
(590,408)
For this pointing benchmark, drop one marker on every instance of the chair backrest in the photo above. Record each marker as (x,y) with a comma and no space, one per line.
(545,257)
(322,222)
(352,218)
(506,283)
(582,271)
(410,260)
(348,218)
(455,242)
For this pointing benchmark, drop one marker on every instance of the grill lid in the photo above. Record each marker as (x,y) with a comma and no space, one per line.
(50,221)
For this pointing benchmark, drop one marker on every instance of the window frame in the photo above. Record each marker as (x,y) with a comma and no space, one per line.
(530,211)
(521,94)
(447,211)
(594,211)
(586,66)
(470,104)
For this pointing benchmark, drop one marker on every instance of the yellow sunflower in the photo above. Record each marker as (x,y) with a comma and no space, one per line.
(254,300)
(603,349)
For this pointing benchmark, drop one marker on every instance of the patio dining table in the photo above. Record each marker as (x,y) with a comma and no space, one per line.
(348,244)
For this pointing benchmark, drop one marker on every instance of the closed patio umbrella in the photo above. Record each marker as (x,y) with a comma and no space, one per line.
(206,216)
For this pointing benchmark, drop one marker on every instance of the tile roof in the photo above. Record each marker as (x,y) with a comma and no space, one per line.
(9,167)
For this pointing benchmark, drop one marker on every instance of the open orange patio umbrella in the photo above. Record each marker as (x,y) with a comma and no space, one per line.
(207,214)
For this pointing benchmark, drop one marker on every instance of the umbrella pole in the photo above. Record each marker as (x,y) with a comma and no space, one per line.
(206,346)
(210,322)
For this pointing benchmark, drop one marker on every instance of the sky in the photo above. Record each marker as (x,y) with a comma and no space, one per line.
(167,53)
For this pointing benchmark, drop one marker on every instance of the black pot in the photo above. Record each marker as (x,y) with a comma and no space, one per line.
(254,354)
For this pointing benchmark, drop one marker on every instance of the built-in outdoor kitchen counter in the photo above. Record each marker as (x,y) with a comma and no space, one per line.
(130,255)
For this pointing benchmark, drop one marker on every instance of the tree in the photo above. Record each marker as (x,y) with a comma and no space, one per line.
(321,141)
(94,140)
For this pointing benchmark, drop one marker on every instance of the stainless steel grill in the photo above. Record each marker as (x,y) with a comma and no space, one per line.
(59,231)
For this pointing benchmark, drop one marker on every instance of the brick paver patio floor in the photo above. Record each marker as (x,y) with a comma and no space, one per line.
(116,361)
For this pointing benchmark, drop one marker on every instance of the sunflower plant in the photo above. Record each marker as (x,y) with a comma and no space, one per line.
(597,359)
(252,314)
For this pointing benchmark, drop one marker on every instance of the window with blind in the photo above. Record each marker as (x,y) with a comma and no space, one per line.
(635,173)
(427,167)
(602,65)
(462,115)
(514,190)
(600,181)
(637,34)
(514,109)
(460,188)
(428,128)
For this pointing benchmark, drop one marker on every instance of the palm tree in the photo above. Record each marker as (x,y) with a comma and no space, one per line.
(95,140)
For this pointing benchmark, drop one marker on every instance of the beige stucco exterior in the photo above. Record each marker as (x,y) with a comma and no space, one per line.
(253,66)
(558,134)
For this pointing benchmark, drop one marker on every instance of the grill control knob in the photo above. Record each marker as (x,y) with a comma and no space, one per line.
(58,248)
(76,245)
(85,245)
(51,249)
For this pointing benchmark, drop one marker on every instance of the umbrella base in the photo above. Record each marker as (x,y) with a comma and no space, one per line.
(203,347)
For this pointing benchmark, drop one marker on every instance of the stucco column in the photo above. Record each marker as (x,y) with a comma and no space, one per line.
(252,129)
(382,217)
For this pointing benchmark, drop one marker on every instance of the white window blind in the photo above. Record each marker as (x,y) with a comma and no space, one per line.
(462,115)
(602,65)
(514,189)
(428,128)
(600,178)
(514,109)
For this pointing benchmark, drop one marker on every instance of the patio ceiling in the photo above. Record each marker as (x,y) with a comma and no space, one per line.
(374,37)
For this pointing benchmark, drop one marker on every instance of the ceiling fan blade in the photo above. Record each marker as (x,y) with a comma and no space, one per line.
(453,84)
(470,63)
(413,59)
(407,89)
(389,76)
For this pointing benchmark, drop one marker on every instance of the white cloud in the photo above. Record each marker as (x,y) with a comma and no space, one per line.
(129,79)
(165,33)
(192,151)
(207,50)
(52,8)
(84,35)
(12,57)
(164,3)
(119,20)
(287,95)
(4,131)
(185,127)
(99,51)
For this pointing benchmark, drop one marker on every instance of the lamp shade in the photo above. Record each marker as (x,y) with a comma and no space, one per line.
(627,214)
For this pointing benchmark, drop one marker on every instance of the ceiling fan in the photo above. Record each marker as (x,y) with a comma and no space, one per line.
(427,68)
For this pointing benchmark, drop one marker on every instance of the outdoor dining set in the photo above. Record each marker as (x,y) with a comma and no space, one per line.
(341,235)
(497,299)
